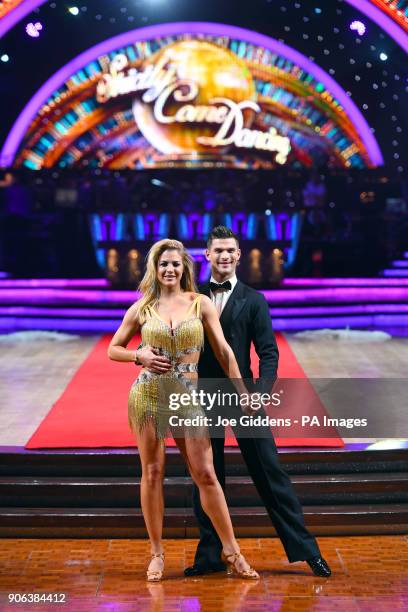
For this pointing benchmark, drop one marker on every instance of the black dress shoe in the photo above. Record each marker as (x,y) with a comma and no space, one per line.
(319,567)
(200,570)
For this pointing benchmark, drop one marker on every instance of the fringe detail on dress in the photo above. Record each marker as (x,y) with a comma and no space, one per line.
(142,404)
(149,395)
(149,401)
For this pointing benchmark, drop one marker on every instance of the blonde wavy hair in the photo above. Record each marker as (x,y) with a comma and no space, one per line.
(149,285)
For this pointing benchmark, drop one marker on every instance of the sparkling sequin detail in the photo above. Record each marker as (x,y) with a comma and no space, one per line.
(149,395)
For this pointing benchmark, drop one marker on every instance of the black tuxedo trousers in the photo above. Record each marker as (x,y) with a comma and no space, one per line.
(276,491)
(246,320)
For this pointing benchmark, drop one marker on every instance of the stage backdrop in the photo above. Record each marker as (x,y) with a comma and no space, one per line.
(190,95)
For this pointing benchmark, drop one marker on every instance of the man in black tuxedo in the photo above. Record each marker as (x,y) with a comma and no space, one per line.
(245,319)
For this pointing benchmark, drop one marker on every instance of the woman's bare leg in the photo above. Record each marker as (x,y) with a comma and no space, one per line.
(152,456)
(197,453)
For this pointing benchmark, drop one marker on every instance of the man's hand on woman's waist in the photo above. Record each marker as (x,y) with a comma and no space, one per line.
(151,359)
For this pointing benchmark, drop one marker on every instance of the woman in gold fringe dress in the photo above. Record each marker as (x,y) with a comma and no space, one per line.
(172,317)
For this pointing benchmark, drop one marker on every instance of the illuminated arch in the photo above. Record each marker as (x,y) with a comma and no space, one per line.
(329,98)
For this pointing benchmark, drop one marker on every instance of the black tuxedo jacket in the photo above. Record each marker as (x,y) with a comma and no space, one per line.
(245,319)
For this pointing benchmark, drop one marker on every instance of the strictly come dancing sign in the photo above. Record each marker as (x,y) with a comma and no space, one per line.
(190,95)
(193,97)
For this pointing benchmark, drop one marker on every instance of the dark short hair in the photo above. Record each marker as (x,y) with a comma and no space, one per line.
(221,232)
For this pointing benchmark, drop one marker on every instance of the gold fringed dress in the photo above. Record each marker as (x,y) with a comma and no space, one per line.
(150,394)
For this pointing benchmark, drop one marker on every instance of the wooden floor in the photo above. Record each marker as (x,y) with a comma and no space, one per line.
(34,374)
(326,358)
(369,574)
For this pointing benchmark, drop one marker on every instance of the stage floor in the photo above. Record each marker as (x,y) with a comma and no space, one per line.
(33,374)
(369,574)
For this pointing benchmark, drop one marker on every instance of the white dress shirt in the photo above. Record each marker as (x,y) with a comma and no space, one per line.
(220,298)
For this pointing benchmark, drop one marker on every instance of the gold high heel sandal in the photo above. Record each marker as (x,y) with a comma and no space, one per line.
(231,561)
(155,575)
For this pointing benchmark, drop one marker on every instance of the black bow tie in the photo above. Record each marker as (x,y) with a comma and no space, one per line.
(226,286)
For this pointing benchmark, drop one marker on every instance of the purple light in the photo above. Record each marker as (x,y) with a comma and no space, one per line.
(87,325)
(341,294)
(360,309)
(194,225)
(61,283)
(53,282)
(398,272)
(205,267)
(342,282)
(173,29)
(66,296)
(34,29)
(286,312)
(111,325)
(378,321)
(277,296)
(67,313)
(151,225)
(238,222)
(111,226)
(358,26)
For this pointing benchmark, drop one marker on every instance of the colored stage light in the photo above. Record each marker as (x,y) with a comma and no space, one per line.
(74,10)
(34,29)
(4,58)
(158,183)
(383,57)
(358,26)
(41,283)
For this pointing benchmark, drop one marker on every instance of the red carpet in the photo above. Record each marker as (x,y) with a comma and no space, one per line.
(92,411)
